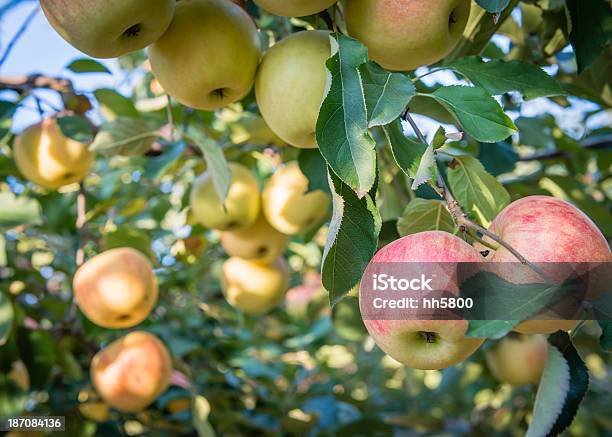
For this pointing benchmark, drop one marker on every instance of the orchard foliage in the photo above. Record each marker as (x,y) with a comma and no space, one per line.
(496,113)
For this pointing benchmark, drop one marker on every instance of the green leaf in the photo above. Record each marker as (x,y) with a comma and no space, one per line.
(314,168)
(591,29)
(38,354)
(493,6)
(6,317)
(425,215)
(125,136)
(387,94)
(498,158)
(499,77)
(352,239)
(406,151)
(12,397)
(478,113)
(200,413)
(19,210)
(426,168)
(563,386)
(477,191)
(605,340)
(155,168)
(113,104)
(215,161)
(87,66)
(129,236)
(494,329)
(342,127)
(76,127)
(439,138)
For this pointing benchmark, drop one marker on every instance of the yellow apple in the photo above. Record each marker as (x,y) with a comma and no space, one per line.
(131,372)
(294,8)
(109,29)
(116,289)
(254,287)
(257,242)
(288,206)
(252,129)
(242,203)
(208,57)
(402,35)
(290,86)
(46,157)
(518,359)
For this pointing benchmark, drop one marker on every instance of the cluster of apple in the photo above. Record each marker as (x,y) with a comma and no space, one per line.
(207,54)
(544,230)
(254,230)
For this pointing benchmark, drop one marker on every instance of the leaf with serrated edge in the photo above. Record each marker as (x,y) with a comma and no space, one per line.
(342,127)
(477,112)
(352,239)
(499,77)
(552,391)
(406,152)
(476,190)
(387,94)
(425,215)
(426,169)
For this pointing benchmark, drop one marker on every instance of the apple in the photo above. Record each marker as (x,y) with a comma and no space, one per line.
(287,204)
(545,229)
(46,157)
(402,35)
(208,57)
(290,86)
(116,289)
(254,287)
(132,371)
(109,29)
(425,344)
(242,204)
(294,8)
(518,359)
(257,242)
(252,129)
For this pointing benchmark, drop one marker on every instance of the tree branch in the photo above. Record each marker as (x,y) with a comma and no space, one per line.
(591,144)
(18,35)
(460,217)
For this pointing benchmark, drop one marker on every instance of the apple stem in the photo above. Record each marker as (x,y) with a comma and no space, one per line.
(460,217)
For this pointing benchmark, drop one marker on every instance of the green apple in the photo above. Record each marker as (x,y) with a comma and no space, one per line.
(518,359)
(208,57)
(46,157)
(257,242)
(242,204)
(294,8)
(402,35)
(109,29)
(254,287)
(290,86)
(287,204)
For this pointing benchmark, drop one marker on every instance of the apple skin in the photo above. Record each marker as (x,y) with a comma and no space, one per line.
(111,28)
(545,229)
(132,371)
(288,206)
(242,204)
(290,86)
(254,287)
(402,35)
(518,360)
(409,341)
(294,8)
(259,242)
(46,157)
(208,57)
(116,289)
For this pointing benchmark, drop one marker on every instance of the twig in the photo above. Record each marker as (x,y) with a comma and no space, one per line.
(591,144)
(460,217)
(18,35)
(81,221)
(170,117)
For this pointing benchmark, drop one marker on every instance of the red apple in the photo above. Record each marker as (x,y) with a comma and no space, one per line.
(424,344)
(547,231)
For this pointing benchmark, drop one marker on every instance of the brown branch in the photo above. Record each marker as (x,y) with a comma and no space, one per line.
(591,144)
(20,32)
(24,84)
(460,217)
